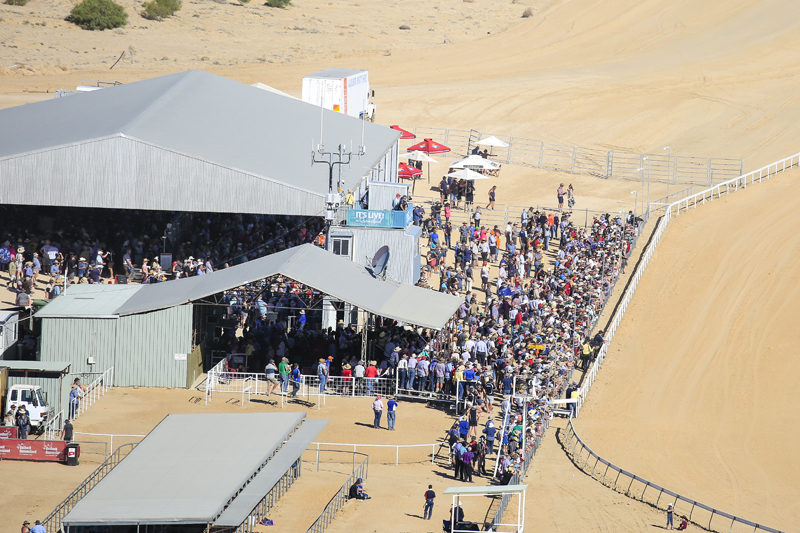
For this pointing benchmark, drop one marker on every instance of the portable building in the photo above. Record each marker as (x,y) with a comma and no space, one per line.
(339,89)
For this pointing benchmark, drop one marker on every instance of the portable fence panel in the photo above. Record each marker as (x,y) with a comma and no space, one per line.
(590,161)
(525,152)
(558,157)
(692,170)
(625,165)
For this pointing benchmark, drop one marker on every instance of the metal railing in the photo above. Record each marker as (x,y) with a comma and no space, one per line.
(349,386)
(517,478)
(53,426)
(636,487)
(673,209)
(93,392)
(663,167)
(340,498)
(505,213)
(111,437)
(271,498)
(396,448)
(53,520)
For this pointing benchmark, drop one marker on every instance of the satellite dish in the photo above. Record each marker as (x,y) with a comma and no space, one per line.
(380,260)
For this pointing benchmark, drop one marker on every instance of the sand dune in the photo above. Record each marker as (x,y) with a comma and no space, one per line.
(697,393)
(702,362)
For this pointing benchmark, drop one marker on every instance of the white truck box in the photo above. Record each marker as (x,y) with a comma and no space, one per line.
(344,90)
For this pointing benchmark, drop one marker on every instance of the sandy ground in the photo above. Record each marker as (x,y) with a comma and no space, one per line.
(135,411)
(697,392)
(715,78)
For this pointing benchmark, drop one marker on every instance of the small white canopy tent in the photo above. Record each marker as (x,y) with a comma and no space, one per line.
(492,141)
(475,162)
(467,174)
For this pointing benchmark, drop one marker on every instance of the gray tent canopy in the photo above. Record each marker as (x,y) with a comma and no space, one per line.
(317,268)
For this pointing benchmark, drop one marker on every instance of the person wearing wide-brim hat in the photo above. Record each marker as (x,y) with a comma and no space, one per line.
(322,374)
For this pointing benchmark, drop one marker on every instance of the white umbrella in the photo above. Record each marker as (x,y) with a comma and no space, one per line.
(476,162)
(492,141)
(421,156)
(467,174)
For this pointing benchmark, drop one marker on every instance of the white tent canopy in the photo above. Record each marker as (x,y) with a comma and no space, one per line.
(475,162)
(420,156)
(492,141)
(467,174)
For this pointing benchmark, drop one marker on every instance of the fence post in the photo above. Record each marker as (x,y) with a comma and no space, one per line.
(541,156)
(608,163)
(574,157)
(510,147)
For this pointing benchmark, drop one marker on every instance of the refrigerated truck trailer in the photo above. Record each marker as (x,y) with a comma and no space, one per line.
(339,89)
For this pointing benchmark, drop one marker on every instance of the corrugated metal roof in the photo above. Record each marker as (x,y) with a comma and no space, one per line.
(166,478)
(334,73)
(36,366)
(89,301)
(317,268)
(238,511)
(216,121)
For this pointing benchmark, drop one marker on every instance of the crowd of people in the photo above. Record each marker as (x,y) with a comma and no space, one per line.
(94,245)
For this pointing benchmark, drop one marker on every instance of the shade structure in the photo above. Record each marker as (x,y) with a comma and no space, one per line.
(421,156)
(492,141)
(165,480)
(407,171)
(322,270)
(429,146)
(467,174)
(405,133)
(476,162)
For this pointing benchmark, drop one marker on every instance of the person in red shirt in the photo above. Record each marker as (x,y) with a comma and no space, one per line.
(371,373)
(347,374)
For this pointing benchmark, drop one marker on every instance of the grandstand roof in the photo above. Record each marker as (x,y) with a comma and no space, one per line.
(238,511)
(191,141)
(165,479)
(310,265)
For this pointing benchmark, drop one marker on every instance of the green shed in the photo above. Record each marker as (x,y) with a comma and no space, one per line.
(151,349)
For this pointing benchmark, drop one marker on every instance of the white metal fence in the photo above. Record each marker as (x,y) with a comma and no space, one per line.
(637,488)
(673,210)
(53,426)
(93,392)
(663,166)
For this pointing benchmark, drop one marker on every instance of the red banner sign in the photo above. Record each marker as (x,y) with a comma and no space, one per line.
(33,450)
(8,432)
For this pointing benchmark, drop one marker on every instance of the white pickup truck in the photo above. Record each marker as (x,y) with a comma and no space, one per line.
(31,397)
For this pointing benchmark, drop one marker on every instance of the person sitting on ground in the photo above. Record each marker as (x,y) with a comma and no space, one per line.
(357,491)
(684,524)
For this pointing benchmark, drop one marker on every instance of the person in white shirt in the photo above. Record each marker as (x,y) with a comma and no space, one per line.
(377,409)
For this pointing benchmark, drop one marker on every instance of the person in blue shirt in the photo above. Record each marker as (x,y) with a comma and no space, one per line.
(38,528)
(391,412)
(463,427)
(295,380)
(490,432)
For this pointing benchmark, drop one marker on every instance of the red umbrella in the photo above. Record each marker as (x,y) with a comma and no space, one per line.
(407,171)
(429,146)
(405,134)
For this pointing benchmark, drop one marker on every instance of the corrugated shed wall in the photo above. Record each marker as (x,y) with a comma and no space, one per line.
(76,339)
(52,386)
(143,177)
(403,249)
(141,348)
(147,344)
